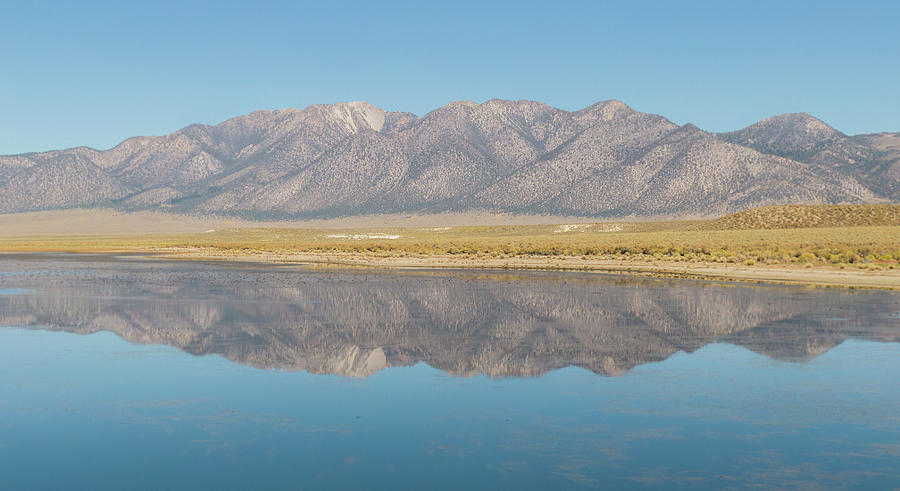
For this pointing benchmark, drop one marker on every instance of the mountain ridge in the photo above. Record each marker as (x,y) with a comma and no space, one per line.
(501,155)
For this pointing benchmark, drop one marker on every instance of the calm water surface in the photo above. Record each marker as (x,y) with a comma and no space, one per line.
(134,373)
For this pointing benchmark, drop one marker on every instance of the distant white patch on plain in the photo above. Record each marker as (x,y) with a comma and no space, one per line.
(580,227)
(364,236)
(209,231)
(584,227)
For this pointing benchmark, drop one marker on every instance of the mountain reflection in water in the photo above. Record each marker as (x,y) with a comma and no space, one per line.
(357,322)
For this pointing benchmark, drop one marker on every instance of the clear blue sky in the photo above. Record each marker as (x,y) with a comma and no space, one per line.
(94,73)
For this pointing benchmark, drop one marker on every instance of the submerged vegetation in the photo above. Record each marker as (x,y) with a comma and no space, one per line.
(860,236)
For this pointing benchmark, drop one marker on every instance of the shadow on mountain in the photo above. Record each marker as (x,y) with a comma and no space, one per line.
(355,323)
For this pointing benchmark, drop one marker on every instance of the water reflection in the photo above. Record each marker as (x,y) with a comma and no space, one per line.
(356,323)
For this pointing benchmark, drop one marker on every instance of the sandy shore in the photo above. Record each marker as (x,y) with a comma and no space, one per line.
(210,238)
(813,276)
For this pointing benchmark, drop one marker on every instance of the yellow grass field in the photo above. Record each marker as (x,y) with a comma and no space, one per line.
(861,236)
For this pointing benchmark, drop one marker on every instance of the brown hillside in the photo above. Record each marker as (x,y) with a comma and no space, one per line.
(810,216)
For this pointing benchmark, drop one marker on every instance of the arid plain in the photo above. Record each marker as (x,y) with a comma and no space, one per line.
(827,245)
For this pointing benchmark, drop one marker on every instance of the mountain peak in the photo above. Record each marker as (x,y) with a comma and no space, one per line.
(801,121)
(357,115)
(607,110)
(797,125)
(792,135)
(467,104)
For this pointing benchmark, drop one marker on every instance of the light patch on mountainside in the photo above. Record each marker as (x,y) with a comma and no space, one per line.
(351,113)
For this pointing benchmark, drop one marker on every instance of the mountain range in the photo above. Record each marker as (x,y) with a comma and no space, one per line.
(606,160)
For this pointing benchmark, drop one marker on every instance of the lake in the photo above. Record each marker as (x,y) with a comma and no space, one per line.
(129,372)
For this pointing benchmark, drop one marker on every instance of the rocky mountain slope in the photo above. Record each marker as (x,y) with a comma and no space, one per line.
(874,160)
(509,156)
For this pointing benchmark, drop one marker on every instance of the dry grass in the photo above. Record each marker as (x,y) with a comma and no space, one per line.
(809,216)
(871,241)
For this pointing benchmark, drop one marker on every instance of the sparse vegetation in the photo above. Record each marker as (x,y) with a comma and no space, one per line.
(809,216)
(868,237)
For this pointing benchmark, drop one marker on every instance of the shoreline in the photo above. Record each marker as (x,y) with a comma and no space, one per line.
(815,276)
(847,246)
(802,276)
